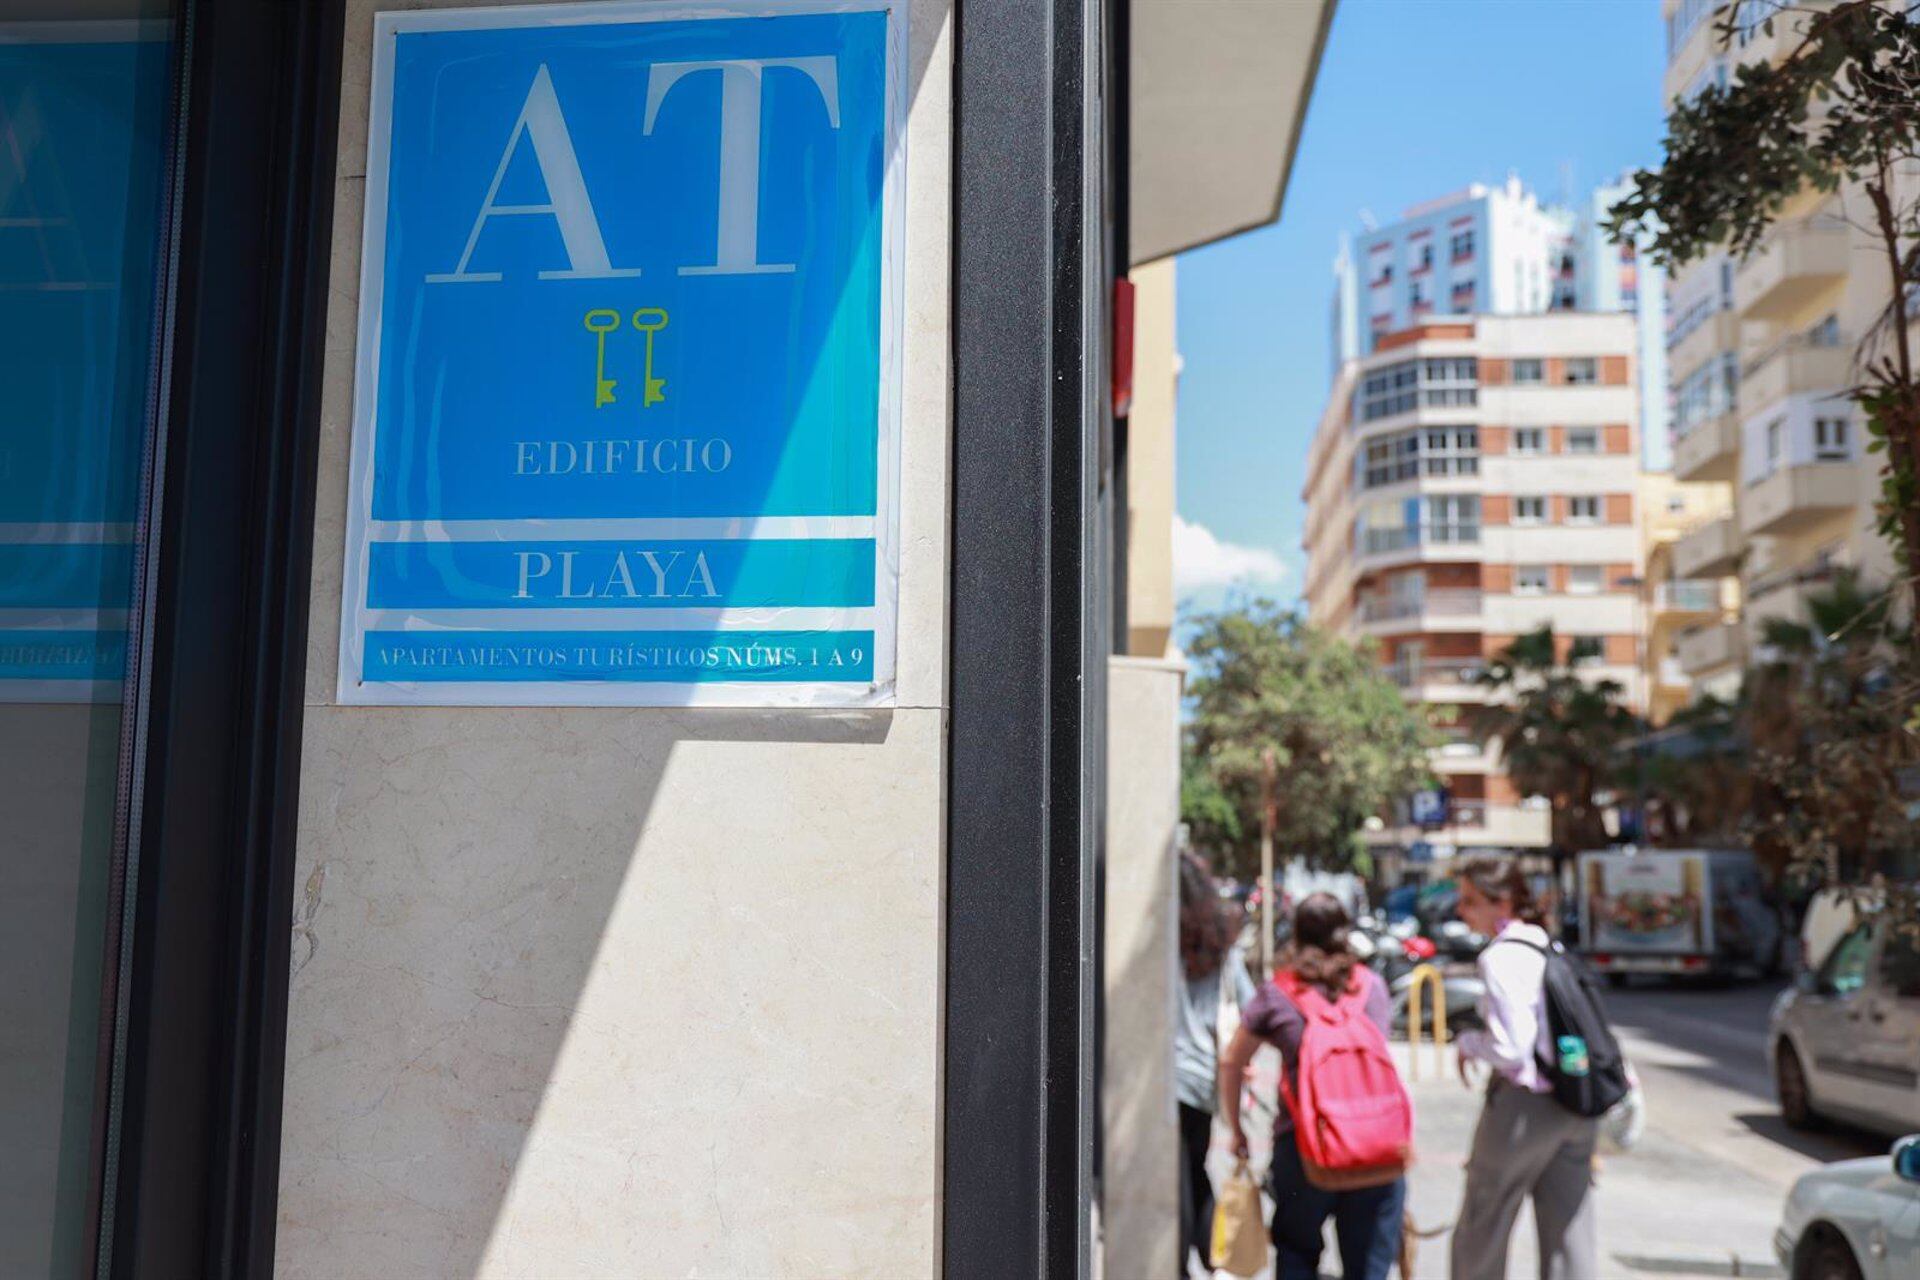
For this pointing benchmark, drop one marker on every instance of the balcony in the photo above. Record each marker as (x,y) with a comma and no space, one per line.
(1709,451)
(1717,333)
(1413,542)
(1439,679)
(1699,596)
(1790,268)
(1797,364)
(1710,550)
(1795,498)
(1434,611)
(1707,650)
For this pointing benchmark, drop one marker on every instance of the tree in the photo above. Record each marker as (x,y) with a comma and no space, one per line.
(1344,740)
(1695,775)
(1564,736)
(1826,713)
(1839,108)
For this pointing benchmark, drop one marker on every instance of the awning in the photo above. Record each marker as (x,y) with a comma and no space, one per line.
(1217,93)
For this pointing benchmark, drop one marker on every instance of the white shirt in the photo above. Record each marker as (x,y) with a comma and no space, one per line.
(1514,1009)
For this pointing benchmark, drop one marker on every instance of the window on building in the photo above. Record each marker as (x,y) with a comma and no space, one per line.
(1581,370)
(1462,295)
(1583,509)
(1383,274)
(1776,443)
(1453,518)
(1830,439)
(1529,440)
(1529,371)
(1531,580)
(1461,246)
(1423,261)
(1449,382)
(1417,294)
(1451,451)
(1530,510)
(1583,439)
(1584,579)
(1826,333)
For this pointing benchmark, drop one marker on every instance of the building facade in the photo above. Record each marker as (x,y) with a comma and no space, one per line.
(311,984)
(1761,353)
(1470,480)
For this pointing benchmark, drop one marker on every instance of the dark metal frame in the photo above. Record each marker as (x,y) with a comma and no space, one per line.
(1031,621)
(190,1169)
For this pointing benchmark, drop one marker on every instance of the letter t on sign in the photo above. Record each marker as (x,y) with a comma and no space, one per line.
(738,253)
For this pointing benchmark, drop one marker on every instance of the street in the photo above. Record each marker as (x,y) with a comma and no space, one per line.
(1700,1194)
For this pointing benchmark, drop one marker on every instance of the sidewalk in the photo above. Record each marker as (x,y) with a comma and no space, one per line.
(1665,1209)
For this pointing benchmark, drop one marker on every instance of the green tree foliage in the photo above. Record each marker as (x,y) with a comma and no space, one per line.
(1825,714)
(1345,742)
(1566,736)
(1842,108)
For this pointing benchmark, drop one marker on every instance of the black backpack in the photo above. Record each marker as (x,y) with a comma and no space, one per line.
(1578,1028)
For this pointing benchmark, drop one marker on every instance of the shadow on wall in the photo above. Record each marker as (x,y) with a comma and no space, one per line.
(608,992)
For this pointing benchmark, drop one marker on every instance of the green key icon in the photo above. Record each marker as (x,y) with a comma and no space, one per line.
(600,323)
(651,320)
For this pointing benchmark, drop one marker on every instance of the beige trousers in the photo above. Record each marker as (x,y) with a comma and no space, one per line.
(1528,1145)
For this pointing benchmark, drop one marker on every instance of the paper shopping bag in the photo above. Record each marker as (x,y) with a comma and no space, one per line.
(1239,1228)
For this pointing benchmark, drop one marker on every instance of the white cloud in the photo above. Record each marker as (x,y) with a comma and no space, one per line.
(1202,561)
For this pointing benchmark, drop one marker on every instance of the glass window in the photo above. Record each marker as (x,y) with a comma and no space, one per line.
(1583,579)
(1461,246)
(84,118)
(1776,442)
(1845,969)
(1900,962)
(1530,579)
(1583,439)
(1529,371)
(1582,369)
(1830,439)
(1529,440)
(1529,510)
(1583,509)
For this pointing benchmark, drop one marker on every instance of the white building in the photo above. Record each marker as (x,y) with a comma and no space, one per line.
(1470,480)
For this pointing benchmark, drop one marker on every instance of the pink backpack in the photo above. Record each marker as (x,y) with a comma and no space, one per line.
(1352,1119)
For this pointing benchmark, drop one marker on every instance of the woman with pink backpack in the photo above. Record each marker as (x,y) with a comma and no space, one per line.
(1343,1138)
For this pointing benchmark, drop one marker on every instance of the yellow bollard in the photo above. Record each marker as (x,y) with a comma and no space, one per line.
(1416,989)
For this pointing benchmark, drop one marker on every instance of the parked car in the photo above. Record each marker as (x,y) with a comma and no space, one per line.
(1845,1038)
(1855,1220)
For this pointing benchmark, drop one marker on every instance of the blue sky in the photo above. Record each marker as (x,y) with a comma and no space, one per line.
(1415,98)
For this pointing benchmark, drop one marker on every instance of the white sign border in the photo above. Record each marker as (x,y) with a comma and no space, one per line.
(355,616)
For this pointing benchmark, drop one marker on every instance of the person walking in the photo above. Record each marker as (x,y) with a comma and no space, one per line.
(1526,1144)
(1213,971)
(1317,964)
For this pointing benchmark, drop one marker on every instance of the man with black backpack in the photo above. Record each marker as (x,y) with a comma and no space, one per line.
(1555,1070)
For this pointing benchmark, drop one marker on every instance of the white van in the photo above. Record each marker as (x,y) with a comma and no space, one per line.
(1697,912)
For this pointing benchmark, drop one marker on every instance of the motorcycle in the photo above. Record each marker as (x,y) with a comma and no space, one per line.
(1395,952)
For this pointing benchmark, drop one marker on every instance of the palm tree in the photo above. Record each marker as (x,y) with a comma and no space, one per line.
(1563,733)
(1830,714)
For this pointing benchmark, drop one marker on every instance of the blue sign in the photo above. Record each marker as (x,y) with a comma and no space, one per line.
(83,119)
(1429,807)
(626,387)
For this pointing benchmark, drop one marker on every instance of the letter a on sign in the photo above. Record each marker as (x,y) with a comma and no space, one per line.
(568,204)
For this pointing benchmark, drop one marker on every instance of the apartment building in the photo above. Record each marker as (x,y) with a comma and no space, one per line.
(1760,354)
(1479,251)
(1674,606)
(1471,479)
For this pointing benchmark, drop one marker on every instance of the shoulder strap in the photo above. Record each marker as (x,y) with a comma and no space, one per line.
(1303,994)
(1522,942)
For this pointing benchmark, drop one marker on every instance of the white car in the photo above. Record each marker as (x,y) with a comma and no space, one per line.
(1855,1220)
